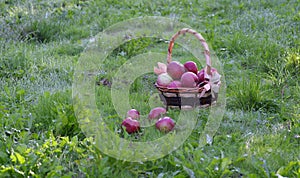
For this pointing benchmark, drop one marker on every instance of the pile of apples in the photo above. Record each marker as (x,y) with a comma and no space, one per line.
(163,123)
(176,75)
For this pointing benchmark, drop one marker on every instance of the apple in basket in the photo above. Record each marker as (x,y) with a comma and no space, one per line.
(174,84)
(131,125)
(191,66)
(164,79)
(165,124)
(189,80)
(175,69)
(201,75)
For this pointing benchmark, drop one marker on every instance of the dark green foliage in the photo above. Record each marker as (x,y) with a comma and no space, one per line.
(55,112)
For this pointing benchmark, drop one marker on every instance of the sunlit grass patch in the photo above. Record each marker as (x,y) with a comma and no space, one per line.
(293,62)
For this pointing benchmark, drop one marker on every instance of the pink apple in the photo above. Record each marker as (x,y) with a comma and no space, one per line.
(133,113)
(175,69)
(174,84)
(188,79)
(156,113)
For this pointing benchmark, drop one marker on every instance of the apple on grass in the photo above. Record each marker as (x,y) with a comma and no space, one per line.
(165,124)
(131,125)
(133,113)
(156,113)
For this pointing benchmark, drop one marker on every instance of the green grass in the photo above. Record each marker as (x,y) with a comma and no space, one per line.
(256,41)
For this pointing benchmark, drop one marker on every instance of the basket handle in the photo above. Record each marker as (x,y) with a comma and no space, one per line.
(200,38)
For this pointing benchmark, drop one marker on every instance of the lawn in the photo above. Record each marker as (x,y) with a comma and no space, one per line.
(43,44)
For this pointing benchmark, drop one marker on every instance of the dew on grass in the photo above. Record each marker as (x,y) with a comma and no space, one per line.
(209,139)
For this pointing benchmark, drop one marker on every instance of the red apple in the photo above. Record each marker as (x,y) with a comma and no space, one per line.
(175,84)
(189,80)
(191,66)
(131,125)
(165,124)
(156,113)
(175,69)
(133,113)
(195,77)
(201,75)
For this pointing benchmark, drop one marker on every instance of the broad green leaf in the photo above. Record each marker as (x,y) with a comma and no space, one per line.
(20,158)
(13,158)
(225,163)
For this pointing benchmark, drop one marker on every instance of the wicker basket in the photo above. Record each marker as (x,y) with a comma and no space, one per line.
(200,96)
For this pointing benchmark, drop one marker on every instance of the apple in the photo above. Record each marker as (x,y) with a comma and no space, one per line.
(191,66)
(175,69)
(189,79)
(131,125)
(133,113)
(164,79)
(156,113)
(174,84)
(201,75)
(165,124)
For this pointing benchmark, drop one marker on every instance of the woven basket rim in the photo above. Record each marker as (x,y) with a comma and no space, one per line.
(179,89)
